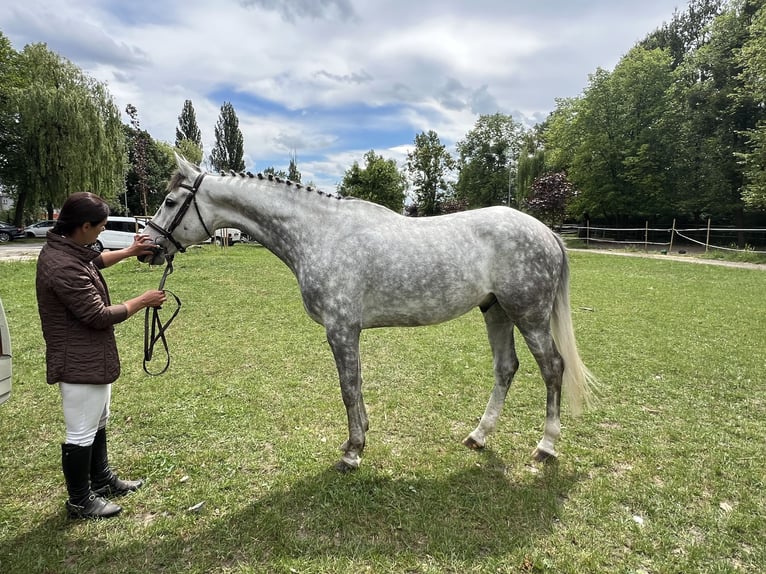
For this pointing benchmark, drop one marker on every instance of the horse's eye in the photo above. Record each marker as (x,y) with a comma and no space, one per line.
(169,202)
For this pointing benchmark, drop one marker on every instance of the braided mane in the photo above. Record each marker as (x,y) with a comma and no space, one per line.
(285,182)
(178,178)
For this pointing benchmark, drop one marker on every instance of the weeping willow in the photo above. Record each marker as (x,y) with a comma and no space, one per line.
(70,130)
(531,166)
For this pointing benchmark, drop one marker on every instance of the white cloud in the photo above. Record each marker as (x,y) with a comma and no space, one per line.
(332,79)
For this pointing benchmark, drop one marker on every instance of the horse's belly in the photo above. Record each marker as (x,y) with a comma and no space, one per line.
(415,291)
(427,308)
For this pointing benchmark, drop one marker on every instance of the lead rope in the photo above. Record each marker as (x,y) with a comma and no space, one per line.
(155,325)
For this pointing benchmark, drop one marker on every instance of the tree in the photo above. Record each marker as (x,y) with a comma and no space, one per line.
(292,172)
(561,135)
(69,133)
(719,114)
(271,170)
(488,159)
(138,157)
(715,112)
(228,152)
(641,85)
(11,156)
(686,32)
(188,134)
(159,164)
(678,128)
(548,198)
(615,141)
(190,151)
(531,164)
(752,60)
(378,181)
(428,165)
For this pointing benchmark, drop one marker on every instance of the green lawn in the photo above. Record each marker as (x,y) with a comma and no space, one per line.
(666,474)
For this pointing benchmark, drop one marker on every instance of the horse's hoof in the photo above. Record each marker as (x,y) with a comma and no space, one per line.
(543,456)
(472,443)
(343,467)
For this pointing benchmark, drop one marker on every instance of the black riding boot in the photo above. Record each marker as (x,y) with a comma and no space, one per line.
(104,481)
(82,503)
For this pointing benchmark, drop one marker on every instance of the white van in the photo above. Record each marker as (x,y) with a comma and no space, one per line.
(228,236)
(119,233)
(5,357)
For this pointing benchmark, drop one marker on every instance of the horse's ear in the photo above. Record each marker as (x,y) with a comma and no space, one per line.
(186,167)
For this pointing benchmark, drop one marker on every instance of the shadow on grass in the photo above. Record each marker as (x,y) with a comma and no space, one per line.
(470,515)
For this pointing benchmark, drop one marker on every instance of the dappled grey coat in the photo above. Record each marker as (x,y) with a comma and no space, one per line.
(76,314)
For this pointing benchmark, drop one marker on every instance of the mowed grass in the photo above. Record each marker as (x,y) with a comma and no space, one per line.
(665,474)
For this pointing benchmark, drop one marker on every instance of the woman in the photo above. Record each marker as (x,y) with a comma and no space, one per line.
(81,353)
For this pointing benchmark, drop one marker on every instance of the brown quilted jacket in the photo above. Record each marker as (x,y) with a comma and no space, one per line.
(76,314)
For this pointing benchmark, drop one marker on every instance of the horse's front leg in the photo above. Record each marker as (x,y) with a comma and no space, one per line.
(345,347)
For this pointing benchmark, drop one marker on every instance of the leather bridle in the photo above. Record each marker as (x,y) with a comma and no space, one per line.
(154,328)
(189,200)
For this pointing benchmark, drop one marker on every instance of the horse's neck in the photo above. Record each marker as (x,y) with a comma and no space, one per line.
(286,220)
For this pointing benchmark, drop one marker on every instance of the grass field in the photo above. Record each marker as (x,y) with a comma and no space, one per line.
(666,474)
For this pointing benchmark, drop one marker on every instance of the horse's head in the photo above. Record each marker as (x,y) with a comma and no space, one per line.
(178,222)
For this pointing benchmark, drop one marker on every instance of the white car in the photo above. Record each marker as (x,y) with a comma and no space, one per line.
(39,229)
(119,233)
(5,357)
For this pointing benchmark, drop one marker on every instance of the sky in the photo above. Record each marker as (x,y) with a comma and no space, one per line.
(329,80)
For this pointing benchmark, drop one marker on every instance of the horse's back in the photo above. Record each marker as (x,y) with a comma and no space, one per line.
(503,239)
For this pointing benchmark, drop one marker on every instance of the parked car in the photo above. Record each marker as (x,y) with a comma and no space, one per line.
(39,229)
(227,235)
(5,357)
(119,233)
(230,235)
(9,232)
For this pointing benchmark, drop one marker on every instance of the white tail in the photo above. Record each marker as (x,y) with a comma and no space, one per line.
(578,382)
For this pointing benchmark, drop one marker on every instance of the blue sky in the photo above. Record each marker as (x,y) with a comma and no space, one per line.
(329,80)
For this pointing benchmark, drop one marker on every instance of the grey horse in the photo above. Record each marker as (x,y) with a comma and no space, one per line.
(360,266)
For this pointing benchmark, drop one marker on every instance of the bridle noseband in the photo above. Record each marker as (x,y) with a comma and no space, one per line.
(191,198)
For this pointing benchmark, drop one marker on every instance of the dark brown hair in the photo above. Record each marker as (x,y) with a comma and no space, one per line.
(80,208)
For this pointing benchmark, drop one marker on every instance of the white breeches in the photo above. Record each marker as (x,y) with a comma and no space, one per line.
(86,409)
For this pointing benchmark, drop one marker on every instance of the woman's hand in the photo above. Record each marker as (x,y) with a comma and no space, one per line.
(153,298)
(142,245)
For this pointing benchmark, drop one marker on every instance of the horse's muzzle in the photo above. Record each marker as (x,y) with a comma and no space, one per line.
(155,258)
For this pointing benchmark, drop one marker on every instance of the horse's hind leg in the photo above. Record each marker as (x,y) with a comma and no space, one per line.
(506,363)
(551,365)
(345,348)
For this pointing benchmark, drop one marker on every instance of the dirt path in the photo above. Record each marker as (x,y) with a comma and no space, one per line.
(684,258)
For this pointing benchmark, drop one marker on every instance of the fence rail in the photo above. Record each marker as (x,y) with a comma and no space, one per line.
(709,237)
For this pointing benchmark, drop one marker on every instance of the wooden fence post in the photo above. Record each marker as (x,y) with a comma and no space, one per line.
(646,238)
(672,232)
(707,239)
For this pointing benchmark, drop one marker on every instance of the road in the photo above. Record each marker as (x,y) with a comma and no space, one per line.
(20,251)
